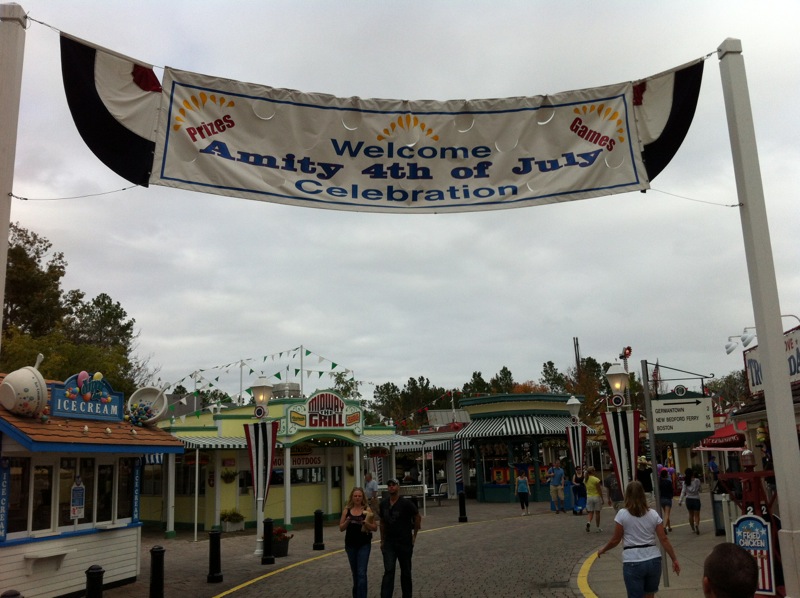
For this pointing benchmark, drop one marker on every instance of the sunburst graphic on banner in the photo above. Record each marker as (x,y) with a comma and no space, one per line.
(604,112)
(407,122)
(196,103)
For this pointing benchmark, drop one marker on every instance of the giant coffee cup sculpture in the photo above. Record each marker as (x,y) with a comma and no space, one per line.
(146,406)
(23,392)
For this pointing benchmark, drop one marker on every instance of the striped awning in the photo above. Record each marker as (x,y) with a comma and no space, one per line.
(388,440)
(443,444)
(154,458)
(516,425)
(212,442)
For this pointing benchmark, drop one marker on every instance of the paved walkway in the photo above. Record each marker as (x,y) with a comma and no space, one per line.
(495,553)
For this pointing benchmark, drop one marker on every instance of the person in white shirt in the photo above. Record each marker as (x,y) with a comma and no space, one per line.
(638,526)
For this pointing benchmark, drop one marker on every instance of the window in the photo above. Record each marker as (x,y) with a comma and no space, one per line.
(125,493)
(42,497)
(105,492)
(185,475)
(152,479)
(19,494)
(75,472)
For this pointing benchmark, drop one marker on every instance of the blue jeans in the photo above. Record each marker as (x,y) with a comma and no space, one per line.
(642,577)
(359,559)
(393,554)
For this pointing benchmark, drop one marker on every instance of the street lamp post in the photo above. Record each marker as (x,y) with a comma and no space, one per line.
(262,393)
(621,426)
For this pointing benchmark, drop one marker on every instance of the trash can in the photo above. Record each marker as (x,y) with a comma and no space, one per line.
(716,509)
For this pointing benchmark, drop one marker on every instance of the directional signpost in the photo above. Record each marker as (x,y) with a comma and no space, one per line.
(681,415)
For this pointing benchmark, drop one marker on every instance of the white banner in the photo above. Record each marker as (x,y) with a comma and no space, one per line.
(233,138)
(227,137)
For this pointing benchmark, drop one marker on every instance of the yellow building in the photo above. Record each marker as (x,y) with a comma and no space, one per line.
(321,451)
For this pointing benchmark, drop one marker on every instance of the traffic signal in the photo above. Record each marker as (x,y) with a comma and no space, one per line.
(626,353)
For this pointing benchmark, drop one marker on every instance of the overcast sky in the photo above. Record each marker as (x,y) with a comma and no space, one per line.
(212,280)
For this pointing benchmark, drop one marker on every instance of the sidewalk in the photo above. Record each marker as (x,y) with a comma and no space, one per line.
(605,574)
(187,561)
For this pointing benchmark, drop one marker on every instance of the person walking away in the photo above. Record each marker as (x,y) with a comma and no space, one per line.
(644,474)
(399,524)
(523,491)
(713,467)
(666,494)
(637,527)
(358,523)
(691,492)
(371,489)
(556,476)
(730,571)
(615,497)
(594,499)
(578,492)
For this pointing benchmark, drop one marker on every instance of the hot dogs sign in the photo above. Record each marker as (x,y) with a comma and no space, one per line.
(323,410)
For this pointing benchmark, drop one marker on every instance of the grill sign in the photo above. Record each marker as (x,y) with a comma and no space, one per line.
(324,410)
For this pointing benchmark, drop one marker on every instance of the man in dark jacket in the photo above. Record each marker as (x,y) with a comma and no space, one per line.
(399,524)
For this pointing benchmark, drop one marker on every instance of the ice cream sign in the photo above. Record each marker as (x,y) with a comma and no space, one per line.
(87,396)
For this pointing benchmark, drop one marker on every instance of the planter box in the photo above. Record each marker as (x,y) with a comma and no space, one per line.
(230,526)
(280,548)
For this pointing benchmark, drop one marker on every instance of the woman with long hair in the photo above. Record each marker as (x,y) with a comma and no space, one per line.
(691,492)
(523,488)
(638,526)
(358,523)
(666,492)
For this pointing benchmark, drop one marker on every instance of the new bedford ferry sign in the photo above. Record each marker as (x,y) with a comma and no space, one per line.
(87,396)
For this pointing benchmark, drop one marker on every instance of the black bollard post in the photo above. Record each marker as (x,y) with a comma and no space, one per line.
(267,558)
(157,572)
(11,594)
(214,557)
(462,507)
(94,581)
(318,540)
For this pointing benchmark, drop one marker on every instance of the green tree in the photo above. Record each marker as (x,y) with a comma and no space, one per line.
(387,401)
(476,386)
(502,382)
(349,388)
(73,334)
(554,380)
(33,298)
(729,391)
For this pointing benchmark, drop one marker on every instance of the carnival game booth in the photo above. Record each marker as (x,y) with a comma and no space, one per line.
(320,450)
(70,481)
(517,432)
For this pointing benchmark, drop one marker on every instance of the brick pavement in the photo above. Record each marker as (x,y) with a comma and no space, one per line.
(495,553)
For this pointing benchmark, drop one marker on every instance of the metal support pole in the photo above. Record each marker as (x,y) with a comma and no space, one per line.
(94,581)
(157,572)
(462,507)
(766,305)
(214,557)
(651,437)
(318,540)
(267,558)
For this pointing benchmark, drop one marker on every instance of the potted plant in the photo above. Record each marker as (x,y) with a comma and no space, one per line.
(280,541)
(228,475)
(232,520)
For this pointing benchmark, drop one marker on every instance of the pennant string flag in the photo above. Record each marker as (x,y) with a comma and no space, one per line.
(213,135)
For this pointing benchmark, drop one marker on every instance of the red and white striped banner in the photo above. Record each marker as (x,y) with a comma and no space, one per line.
(622,433)
(261,450)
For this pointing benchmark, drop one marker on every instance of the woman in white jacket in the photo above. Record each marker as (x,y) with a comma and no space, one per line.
(691,492)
